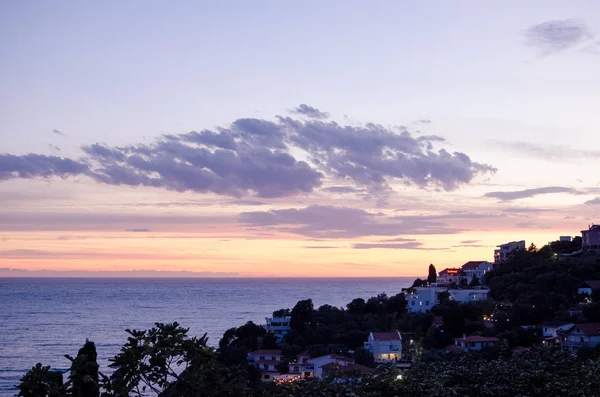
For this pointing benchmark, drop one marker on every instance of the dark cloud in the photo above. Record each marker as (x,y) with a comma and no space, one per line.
(469,241)
(310,111)
(254,157)
(549,152)
(595,201)
(247,202)
(403,246)
(319,221)
(138,230)
(57,132)
(469,246)
(526,193)
(39,166)
(53,147)
(397,240)
(556,36)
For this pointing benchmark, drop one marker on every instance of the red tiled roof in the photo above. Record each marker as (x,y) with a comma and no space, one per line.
(453,349)
(589,329)
(266,353)
(477,338)
(386,335)
(350,368)
(472,265)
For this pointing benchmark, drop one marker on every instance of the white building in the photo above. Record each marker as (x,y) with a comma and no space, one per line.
(564,239)
(422,299)
(279,326)
(551,329)
(503,252)
(450,275)
(581,335)
(476,269)
(590,239)
(268,361)
(317,367)
(386,347)
(474,342)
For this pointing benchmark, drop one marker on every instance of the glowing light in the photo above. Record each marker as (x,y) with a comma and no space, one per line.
(399,377)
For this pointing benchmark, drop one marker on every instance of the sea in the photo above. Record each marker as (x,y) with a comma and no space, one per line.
(42,319)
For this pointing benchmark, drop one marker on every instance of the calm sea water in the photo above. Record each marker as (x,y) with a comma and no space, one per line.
(41,320)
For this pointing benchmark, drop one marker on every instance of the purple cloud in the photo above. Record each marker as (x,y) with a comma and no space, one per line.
(595,201)
(57,132)
(310,111)
(254,157)
(526,193)
(557,35)
(319,221)
(403,246)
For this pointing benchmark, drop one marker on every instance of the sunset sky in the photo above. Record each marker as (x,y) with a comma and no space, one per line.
(275,138)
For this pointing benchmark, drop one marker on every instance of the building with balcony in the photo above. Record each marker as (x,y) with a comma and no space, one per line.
(505,250)
(476,269)
(450,275)
(589,287)
(590,239)
(473,343)
(422,299)
(268,361)
(551,329)
(324,366)
(386,347)
(279,326)
(581,336)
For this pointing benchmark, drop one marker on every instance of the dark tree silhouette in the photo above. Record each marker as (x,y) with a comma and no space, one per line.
(432,276)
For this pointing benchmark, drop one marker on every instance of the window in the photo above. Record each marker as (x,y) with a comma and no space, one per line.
(296,368)
(266,376)
(413,303)
(426,303)
(307,374)
(273,358)
(261,358)
(265,366)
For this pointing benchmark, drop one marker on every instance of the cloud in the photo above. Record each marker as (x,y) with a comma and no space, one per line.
(57,132)
(15,272)
(268,159)
(138,230)
(342,189)
(469,241)
(469,246)
(53,147)
(320,221)
(319,247)
(310,111)
(556,36)
(595,201)
(397,240)
(524,210)
(549,152)
(527,193)
(39,166)
(423,121)
(403,246)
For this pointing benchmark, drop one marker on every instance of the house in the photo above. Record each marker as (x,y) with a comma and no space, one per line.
(474,342)
(575,311)
(450,275)
(581,335)
(589,287)
(317,367)
(564,239)
(505,250)
(279,326)
(386,347)
(422,299)
(268,361)
(551,329)
(590,239)
(476,269)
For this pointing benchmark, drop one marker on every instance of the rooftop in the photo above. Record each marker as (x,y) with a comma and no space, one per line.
(589,329)
(394,335)
(472,265)
(555,323)
(512,242)
(593,284)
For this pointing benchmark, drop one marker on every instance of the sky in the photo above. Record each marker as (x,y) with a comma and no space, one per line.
(292,139)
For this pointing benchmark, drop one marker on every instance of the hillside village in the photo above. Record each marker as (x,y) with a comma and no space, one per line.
(481,307)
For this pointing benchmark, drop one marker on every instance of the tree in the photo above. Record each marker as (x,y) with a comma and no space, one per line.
(40,381)
(281,313)
(432,276)
(357,306)
(474,282)
(302,315)
(419,283)
(364,357)
(84,377)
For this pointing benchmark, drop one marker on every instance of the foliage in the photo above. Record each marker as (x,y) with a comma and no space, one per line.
(84,377)
(432,275)
(302,315)
(40,381)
